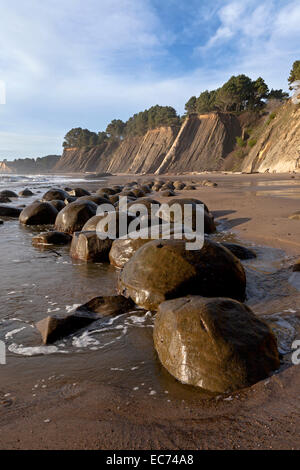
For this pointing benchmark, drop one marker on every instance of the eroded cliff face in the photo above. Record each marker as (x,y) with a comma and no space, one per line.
(278,145)
(141,154)
(202,144)
(4,168)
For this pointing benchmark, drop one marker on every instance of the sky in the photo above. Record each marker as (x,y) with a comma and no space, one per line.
(82,63)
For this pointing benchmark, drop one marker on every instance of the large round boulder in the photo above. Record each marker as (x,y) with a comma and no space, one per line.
(108,191)
(38,213)
(8,193)
(4,200)
(217,344)
(8,211)
(147,202)
(26,193)
(165,269)
(54,194)
(58,204)
(111,219)
(123,249)
(196,211)
(94,198)
(78,192)
(73,217)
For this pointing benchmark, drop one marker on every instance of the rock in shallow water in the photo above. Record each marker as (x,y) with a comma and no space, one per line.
(54,328)
(8,211)
(26,193)
(164,269)
(52,238)
(38,213)
(107,305)
(73,217)
(217,344)
(55,194)
(87,246)
(7,193)
(58,204)
(78,192)
(4,199)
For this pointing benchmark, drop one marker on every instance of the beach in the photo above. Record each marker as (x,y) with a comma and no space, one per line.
(107,389)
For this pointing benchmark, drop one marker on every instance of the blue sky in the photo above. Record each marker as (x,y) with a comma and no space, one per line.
(69,63)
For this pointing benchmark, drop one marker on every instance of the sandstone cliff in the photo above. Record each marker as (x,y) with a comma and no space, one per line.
(30,165)
(134,154)
(202,144)
(278,143)
(4,168)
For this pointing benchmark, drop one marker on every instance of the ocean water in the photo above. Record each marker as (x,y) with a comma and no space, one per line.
(36,282)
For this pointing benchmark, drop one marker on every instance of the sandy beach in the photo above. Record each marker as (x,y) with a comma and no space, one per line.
(88,414)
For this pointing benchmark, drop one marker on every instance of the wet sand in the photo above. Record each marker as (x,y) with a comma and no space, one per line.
(87,414)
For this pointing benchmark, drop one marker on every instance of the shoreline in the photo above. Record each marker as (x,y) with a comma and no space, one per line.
(93,415)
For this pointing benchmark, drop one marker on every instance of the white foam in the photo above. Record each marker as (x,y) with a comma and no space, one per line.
(32,351)
(10,334)
(71,308)
(84,341)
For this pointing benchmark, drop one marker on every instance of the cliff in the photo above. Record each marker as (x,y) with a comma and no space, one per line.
(202,143)
(30,165)
(133,154)
(4,168)
(278,143)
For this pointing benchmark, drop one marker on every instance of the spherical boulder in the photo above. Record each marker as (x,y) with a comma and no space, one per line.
(78,192)
(179,185)
(110,218)
(8,193)
(8,211)
(26,193)
(195,212)
(58,204)
(107,191)
(123,249)
(54,194)
(138,192)
(217,344)
(165,269)
(4,200)
(38,213)
(94,198)
(166,193)
(147,202)
(188,200)
(73,217)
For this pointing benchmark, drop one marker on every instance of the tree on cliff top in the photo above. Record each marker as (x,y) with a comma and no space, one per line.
(79,137)
(116,128)
(295,73)
(237,94)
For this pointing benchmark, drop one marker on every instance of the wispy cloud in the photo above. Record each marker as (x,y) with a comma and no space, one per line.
(82,63)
